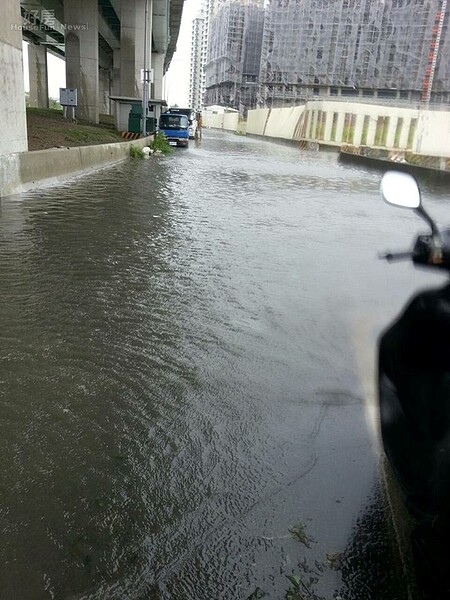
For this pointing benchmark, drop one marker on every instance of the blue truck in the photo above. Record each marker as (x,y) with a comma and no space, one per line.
(175,127)
(192,118)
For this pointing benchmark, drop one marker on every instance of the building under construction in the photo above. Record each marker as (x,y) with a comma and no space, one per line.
(234,54)
(398,49)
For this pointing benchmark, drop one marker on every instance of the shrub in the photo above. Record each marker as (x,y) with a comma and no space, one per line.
(160,143)
(136,152)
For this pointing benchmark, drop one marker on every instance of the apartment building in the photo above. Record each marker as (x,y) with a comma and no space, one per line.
(196,75)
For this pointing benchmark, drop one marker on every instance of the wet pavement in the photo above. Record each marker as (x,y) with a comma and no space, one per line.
(187,402)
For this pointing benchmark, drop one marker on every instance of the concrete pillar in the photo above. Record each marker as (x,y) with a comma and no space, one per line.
(37,67)
(390,139)
(328,126)
(340,127)
(158,74)
(132,14)
(404,134)
(358,133)
(13,124)
(158,78)
(115,83)
(104,91)
(81,39)
(372,130)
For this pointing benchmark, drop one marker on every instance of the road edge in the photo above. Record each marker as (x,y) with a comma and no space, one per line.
(23,171)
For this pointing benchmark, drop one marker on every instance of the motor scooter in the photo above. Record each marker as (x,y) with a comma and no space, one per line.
(414,397)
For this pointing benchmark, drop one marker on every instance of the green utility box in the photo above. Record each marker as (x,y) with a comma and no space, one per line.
(134,120)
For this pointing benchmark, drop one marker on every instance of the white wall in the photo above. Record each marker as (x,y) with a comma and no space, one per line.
(231,121)
(224,120)
(212,120)
(283,122)
(256,121)
(337,123)
(433,133)
(424,132)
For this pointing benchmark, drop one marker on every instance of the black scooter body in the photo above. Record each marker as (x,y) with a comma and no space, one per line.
(414,395)
(414,398)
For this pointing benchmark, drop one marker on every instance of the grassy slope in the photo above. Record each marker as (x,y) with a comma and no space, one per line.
(47,128)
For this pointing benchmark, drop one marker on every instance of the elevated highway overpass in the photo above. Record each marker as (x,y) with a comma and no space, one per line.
(102,42)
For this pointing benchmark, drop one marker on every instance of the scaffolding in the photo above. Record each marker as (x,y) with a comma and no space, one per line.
(234,54)
(377,48)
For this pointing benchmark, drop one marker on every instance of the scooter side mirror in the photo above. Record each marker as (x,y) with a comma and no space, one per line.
(400,189)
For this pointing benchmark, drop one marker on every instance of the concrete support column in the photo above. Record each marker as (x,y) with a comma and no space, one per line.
(372,130)
(158,78)
(115,81)
(115,84)
(390,139)
(81,39)
(37,66)
(328,126)
(340,127)
(132,14)
(404,134)
(158,74)
(13,124)
(358,133)
(104,90)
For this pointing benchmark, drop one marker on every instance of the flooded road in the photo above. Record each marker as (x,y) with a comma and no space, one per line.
(187,378)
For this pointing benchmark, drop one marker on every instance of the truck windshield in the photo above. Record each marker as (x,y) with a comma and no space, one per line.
(189,112)
(173,122)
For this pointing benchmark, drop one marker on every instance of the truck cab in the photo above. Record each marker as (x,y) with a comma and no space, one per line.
(175,127)
(192,118)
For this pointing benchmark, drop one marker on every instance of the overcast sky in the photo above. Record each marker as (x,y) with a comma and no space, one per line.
(177,77)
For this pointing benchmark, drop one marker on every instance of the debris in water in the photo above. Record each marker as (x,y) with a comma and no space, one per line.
(298,531)
(334,561)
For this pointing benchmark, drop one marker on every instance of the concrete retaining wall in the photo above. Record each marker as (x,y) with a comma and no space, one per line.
(336,123)
(23,171)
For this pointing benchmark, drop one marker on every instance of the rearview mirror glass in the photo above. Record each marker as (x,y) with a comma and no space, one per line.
(400,189)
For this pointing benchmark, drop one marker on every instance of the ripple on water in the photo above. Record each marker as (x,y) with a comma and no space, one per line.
(179,376)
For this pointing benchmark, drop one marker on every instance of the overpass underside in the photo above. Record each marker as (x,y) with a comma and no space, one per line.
(103,44)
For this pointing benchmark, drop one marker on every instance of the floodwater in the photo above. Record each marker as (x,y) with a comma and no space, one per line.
(187,404)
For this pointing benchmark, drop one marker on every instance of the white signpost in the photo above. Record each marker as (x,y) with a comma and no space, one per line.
(68,97)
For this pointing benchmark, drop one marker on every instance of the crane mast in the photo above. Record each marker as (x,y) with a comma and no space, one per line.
(433,55)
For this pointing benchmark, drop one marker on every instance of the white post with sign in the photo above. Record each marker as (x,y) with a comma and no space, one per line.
(68,97)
